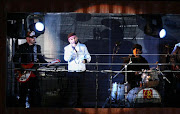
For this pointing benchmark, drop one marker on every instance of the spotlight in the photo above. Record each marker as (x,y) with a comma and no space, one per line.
(162,33)
(39,26)
(154,29)
(35,22)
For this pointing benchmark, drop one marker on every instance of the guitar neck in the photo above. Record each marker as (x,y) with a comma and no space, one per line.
(35,66)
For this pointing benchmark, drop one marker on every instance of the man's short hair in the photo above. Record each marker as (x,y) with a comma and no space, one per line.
(71,34)
(137,46)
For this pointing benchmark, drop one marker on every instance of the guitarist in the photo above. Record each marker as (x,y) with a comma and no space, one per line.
(175,61)
(29,53)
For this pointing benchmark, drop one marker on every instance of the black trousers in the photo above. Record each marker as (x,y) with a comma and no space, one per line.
(30,92)
(74,93)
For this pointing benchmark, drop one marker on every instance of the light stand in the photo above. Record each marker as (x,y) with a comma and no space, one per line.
(96,81)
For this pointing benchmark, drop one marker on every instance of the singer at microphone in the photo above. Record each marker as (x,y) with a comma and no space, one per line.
(76,67)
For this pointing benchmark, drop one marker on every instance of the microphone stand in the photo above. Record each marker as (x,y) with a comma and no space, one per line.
(126,82)
(163,83)
(164,77)
(110,97)
(125,67)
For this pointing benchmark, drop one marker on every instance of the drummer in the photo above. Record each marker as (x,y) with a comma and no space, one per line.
(134,78)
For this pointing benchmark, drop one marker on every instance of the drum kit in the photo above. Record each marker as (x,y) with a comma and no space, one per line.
(124,96)
(146,95)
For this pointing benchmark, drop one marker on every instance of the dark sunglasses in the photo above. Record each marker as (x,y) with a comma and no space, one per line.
(32,37)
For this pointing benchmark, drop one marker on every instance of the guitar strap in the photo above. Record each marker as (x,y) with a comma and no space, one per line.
(35,53)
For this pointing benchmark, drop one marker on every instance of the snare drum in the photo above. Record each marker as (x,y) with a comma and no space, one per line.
(147,96)
(150,78)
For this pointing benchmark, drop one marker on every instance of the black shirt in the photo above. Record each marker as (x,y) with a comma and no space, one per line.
(131,77)
(25,55)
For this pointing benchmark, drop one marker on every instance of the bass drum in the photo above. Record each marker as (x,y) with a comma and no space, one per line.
(147,97)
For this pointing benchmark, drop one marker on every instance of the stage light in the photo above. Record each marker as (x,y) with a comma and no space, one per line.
(162,33)
(154,31)
(39,26)
(154,26)
(35,22)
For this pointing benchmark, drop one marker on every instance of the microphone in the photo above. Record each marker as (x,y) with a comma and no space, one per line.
(76,42)
(74,49)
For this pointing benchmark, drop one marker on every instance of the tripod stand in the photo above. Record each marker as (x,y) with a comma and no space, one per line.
(115,51)
(125,87)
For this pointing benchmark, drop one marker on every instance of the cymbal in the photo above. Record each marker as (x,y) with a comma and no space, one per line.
(125,57)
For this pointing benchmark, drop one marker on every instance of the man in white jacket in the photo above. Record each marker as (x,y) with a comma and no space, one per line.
(76,54)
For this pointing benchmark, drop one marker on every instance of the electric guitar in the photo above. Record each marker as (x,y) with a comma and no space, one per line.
(23,76)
